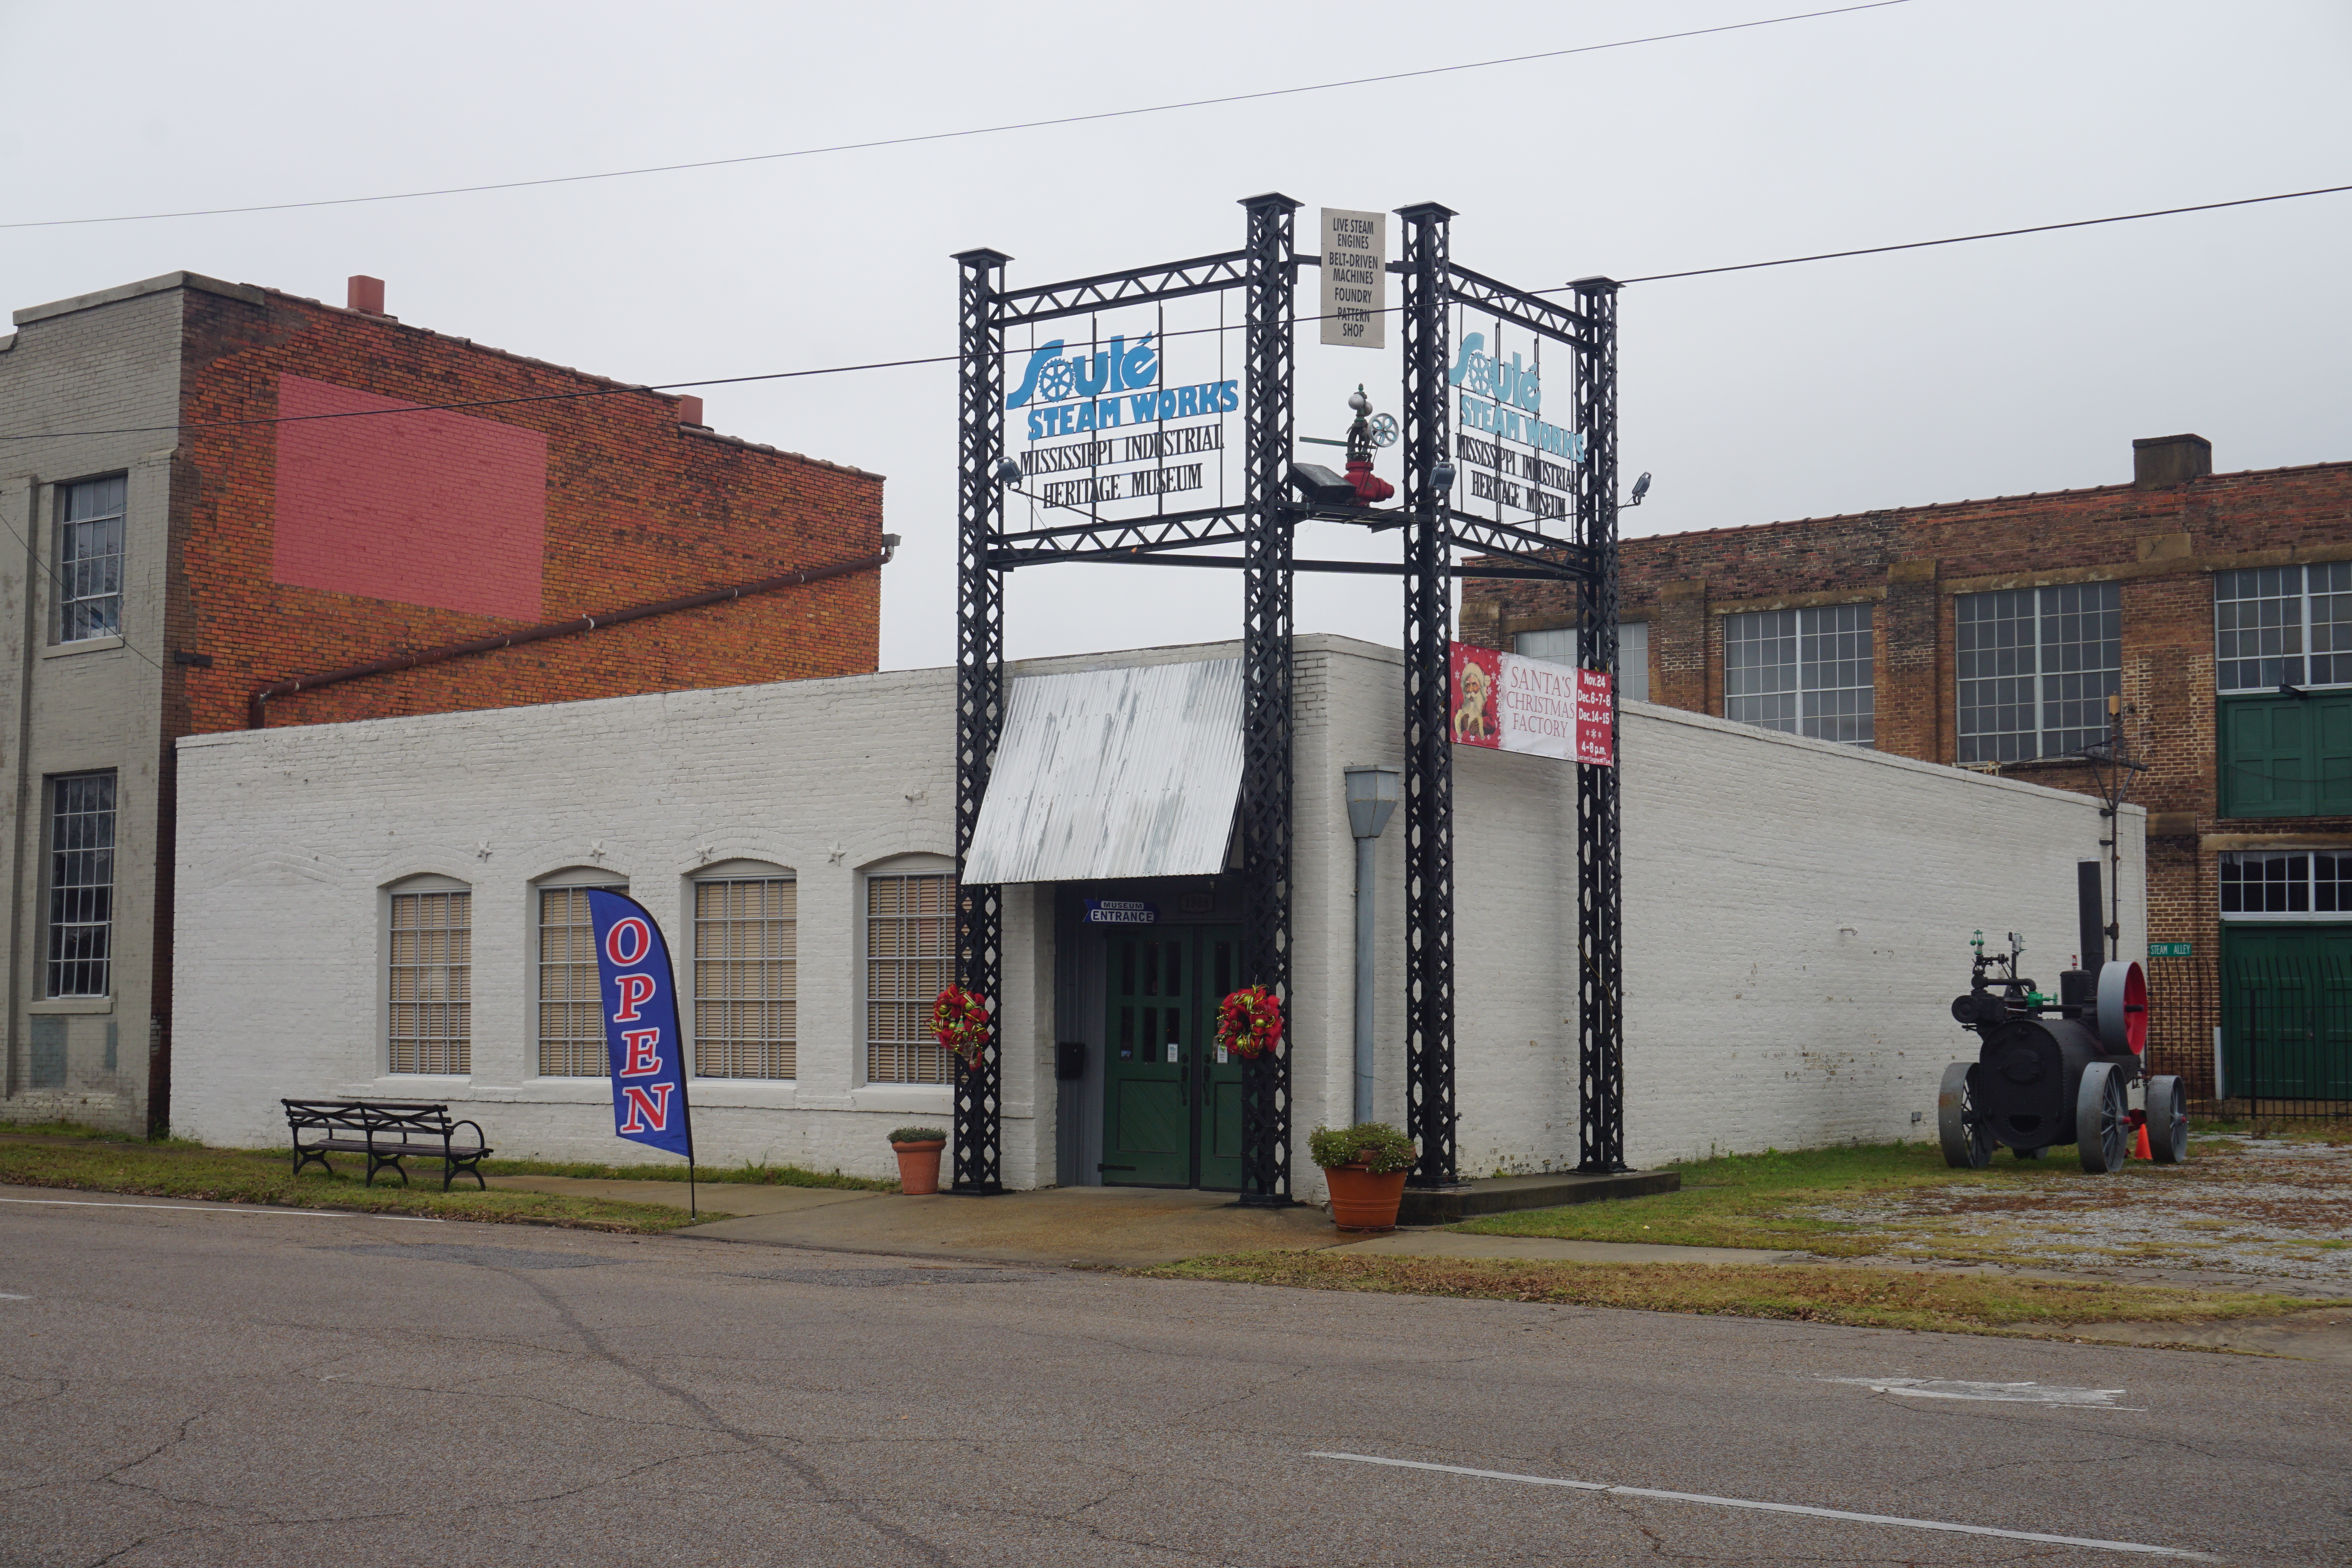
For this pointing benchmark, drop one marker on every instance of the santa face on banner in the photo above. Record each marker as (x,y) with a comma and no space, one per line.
(1507,703)
(1478,678)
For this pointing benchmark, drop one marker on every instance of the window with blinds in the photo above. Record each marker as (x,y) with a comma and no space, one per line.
(570,1007)
(432,982)
(746,1020)
(909,932)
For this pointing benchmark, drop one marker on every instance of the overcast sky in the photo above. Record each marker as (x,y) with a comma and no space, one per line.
(1986,369)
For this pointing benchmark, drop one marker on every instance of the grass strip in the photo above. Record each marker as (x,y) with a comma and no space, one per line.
(260,1177)
(747,1174)
(1860,1298)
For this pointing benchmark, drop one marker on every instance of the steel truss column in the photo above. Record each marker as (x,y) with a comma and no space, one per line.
(1266,677)
(1600,945)
(980,695)
(1428,753)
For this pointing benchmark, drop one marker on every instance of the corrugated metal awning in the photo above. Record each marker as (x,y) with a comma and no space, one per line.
(1113,772)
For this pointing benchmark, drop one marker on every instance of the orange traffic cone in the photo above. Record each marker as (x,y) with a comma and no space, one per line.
(2140,1147)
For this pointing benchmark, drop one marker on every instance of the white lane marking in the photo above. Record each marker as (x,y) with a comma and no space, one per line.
(2004,1392)
(1778,1507)
(192,1209)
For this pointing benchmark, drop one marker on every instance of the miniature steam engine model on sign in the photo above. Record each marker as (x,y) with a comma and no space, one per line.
(2056,1069)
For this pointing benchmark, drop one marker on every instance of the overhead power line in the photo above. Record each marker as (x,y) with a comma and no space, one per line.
(1192,332)
(973,130)
(1988,234)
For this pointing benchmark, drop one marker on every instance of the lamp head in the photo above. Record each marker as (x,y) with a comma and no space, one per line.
(1374,791)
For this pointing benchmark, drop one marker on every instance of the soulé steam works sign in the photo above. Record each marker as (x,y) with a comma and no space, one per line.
(1507,703)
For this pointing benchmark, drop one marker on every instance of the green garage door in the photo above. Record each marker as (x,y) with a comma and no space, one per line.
(2286,1010)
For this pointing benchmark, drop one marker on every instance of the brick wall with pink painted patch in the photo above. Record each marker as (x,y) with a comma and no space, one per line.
(328,542)
(430,508)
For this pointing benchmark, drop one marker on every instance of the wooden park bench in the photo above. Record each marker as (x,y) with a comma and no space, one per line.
(386,1132)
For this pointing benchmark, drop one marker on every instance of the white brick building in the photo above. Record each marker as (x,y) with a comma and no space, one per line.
(1797,919)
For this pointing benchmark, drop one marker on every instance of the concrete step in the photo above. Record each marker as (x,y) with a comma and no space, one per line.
(1500,1195)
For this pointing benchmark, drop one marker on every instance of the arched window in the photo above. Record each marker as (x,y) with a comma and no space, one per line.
(570,1006)
(431,981)
(910,957)
(746,986)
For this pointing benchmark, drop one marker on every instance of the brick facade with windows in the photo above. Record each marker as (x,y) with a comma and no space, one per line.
(231,488)
(1928,576)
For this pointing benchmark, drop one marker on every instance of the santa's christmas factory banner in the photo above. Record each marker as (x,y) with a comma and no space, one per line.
(1507,703)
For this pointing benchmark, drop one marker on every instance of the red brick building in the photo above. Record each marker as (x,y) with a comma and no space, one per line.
(222,494)
(2215,608)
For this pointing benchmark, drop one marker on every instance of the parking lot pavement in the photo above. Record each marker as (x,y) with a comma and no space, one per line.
(195,1385)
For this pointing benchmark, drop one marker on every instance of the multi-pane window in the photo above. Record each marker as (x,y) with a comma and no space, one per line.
(81,884)
(1807,672)
(2289,882)
(571,1004)
(2036,669)
(1556,645)
(89,559)
(745,1023)
(432,982)
(908,929)
(2283,626)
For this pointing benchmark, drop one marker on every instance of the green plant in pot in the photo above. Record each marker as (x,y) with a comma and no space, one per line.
(918,1148)
(1365,1165)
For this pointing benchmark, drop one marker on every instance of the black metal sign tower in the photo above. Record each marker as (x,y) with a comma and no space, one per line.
(1263,523)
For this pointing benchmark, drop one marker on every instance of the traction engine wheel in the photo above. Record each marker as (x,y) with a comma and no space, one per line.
(1967,1142)
(2167,1121)
(2102,1119)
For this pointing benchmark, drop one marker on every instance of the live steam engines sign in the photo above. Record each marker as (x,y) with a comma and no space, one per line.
(1507,703)
(1355,278)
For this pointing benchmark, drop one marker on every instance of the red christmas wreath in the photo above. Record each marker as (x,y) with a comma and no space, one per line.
(1249,1023)
(960,1022)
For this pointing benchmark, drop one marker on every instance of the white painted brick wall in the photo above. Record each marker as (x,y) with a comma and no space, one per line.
(1797,914)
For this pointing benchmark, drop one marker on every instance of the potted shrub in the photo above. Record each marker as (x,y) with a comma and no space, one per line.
(1365,1165)
(918,1148)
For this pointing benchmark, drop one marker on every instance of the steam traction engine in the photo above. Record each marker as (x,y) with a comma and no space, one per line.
(2056,1069)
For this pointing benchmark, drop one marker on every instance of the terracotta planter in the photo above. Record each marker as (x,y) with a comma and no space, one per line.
(1362,1200)
(918,1166)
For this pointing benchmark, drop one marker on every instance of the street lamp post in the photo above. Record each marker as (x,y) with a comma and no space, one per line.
(1372,793)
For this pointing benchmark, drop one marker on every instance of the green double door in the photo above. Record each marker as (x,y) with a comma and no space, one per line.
(2287,1009)
(1172,1108)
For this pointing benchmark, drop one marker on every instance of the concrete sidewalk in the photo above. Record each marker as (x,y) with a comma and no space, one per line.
(1125,1227)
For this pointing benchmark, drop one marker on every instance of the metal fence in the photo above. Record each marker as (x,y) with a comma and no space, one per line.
(2287,1034)
(2277,1033)
(2181,1013)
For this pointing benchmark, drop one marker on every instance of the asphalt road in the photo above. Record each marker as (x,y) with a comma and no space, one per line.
(192,1388)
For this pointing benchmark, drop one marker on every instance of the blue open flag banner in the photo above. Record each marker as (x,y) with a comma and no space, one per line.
(641,1037)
